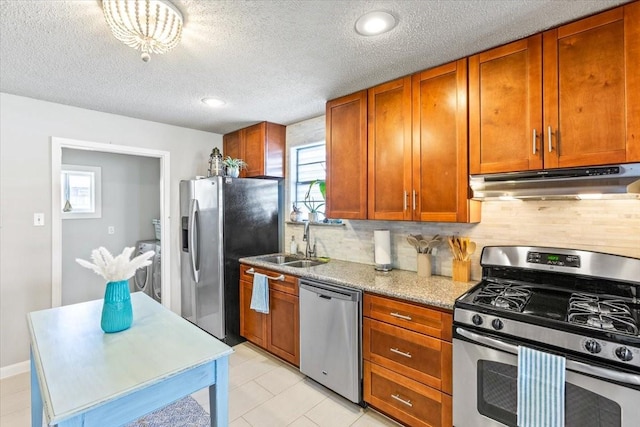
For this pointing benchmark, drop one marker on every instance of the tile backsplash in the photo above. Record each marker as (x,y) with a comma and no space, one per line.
(611,226)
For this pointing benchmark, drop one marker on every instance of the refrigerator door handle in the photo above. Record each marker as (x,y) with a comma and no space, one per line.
(194,239)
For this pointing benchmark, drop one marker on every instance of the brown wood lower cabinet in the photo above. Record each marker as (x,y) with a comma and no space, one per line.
(407,400)
(278,332)
(407,355)
(283,326)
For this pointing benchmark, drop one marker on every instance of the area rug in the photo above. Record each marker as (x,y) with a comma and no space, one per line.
(185,412)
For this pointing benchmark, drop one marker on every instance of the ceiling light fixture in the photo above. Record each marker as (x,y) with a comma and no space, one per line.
(151,26)
(213,102)
(374,23)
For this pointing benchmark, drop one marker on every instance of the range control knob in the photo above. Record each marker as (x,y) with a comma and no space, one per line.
(497,324)
(592,346)
(476,319)
(624,354)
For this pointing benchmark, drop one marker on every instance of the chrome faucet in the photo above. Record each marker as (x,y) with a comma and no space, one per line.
(308,252)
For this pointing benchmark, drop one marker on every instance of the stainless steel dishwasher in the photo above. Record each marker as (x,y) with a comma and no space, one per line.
(331,337)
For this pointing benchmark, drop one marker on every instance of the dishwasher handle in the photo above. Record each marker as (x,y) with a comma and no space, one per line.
(327,291)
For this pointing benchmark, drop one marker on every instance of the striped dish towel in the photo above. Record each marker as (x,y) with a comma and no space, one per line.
(541,379)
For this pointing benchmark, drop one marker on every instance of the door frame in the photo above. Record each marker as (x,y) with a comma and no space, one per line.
(57,144)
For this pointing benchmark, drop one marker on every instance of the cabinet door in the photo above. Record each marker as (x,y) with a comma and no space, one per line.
(347,157)
(389,150)
(253,325)
(254,147)
(440,166)
(505,108)
(405,399)
(232,146)
(591,88)
(283,326)
(420,357)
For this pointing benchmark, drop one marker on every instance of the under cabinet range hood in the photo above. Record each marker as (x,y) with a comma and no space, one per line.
(609,181)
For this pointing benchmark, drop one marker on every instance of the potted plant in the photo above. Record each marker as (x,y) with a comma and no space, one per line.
(311,203)
(234,166)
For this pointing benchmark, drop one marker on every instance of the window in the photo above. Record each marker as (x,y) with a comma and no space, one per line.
(309,161)
(81,195)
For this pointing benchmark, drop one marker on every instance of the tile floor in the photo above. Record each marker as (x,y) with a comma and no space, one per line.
(263,392)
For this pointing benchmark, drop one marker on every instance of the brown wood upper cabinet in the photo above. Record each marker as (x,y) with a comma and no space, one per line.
(440,184)
(261,146)
(591,86)
(418,148)
(347,157)
(389,151)
(563,98)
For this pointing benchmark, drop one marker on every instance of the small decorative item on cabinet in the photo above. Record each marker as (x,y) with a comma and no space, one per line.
(117,313)
(215,163)
(234,166)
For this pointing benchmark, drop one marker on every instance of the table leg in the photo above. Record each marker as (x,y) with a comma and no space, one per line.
(219,394)
(36,397)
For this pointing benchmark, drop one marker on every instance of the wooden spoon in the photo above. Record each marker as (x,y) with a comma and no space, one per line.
(471,248)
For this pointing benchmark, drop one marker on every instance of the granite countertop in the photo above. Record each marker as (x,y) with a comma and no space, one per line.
(437,291)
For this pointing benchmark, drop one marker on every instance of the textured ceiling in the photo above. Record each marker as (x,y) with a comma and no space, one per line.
(275,60)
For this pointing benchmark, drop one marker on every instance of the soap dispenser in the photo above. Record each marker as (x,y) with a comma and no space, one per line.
(294,246)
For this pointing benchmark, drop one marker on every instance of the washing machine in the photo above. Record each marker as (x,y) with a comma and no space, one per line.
(149,278)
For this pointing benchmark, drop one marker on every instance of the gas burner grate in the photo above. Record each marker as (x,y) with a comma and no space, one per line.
(596,312)
(503,295)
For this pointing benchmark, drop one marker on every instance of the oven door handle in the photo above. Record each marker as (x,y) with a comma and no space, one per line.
(572,365)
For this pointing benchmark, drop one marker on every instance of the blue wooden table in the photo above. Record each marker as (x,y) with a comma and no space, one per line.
(81,376)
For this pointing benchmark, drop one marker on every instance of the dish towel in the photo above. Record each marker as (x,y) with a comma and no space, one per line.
(260,294)
(541,380)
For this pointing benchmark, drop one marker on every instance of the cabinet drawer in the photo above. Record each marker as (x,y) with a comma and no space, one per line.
(417,318)
(405,399)
(423,358)
(278,281)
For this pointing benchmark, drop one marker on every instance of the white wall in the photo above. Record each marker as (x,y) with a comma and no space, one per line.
(130,200)
(611,226)
(26,128)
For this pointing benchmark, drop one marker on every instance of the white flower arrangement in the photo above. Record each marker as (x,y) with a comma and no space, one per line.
(116,269)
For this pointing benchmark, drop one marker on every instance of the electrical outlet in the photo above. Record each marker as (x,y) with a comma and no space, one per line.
(38,219)
(111,229)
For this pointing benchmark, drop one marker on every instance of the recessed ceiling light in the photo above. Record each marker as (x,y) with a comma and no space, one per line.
(213,102)
(374,23)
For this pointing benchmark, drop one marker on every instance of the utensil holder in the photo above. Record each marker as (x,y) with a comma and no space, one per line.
(461,271)
(424,265)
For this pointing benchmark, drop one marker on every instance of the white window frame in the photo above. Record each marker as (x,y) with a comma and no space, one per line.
(294,175)
(96,191)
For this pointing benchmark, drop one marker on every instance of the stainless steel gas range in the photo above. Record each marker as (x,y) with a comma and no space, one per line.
(583,306)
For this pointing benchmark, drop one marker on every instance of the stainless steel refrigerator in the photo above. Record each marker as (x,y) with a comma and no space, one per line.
(223,219)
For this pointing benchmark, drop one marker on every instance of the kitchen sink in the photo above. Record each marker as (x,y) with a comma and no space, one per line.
(303,263)
(280,259)
(291,261)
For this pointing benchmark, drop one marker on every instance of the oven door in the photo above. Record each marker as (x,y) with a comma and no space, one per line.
(485,384)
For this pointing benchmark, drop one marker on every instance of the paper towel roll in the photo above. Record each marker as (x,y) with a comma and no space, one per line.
(382,249)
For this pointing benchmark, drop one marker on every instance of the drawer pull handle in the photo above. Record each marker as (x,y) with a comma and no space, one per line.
(399,399)
(400,316)
(401,353)
(280,277)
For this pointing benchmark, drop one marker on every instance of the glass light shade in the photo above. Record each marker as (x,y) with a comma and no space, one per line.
(374,23)
(151,26)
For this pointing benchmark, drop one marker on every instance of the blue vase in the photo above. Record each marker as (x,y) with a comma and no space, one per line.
(117,314)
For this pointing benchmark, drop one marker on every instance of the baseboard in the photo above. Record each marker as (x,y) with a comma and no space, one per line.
(11,370)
